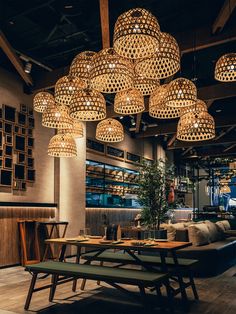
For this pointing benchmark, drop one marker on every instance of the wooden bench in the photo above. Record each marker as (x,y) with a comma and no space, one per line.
(184,265)
(112,276)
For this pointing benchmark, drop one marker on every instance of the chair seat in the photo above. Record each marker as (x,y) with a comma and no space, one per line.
(118,275)
(118,257)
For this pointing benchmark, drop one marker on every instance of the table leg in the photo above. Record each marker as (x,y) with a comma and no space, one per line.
(77,262)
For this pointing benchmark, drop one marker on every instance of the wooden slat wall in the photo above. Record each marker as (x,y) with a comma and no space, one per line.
(9,235)
(94,218)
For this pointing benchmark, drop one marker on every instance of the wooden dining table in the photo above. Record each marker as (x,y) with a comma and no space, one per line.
(164,248)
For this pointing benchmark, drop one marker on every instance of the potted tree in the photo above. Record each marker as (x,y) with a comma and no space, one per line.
(154,188)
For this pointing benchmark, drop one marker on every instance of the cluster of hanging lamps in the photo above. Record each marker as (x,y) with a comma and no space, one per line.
(110,130)
(196,125)
(225,69)
(157,105)
(42,101)
(129,101)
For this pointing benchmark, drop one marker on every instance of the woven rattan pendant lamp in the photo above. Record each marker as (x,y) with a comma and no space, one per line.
(110,130)
(144,85)
(199,106)
(164,63)
(81,66)
(157,106)
(76,131)
(57,117)
(62,145)
(43,100)
(196,126)
(88,105)
(181,93)
(65,87)
(130,101)
(110,72)
(136,34)
(225,70)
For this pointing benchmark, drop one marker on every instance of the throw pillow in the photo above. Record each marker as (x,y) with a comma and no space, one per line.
(215,235)
(171,230)
(226,224)
(199,234)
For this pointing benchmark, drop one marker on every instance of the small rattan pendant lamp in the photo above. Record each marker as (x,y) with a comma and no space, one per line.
(42,101)
(81,66)
(144,85)
(57,117)
(110,72)
(110,130)
(225,70)
(88,105)
(199,106)
(76,131)
(164,63)
(181,93)
(65,87)
(157,106)
(196,125)
(136,34)
(130,101)
(62,145)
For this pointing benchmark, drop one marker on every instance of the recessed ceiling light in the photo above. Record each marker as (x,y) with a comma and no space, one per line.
(11,22)
(69,6)
(156,135)
(121,117)
(218,110)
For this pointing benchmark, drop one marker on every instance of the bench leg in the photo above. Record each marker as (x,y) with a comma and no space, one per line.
(192,283)
(31,290)
(170,296)
(53,287)
(98,282)
(143,296)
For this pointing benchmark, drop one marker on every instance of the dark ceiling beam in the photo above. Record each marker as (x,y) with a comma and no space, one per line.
(15,60)
(170,128)
(229,148)
(217,91)
(204,39)
(225,140)
(223,133)
(104,16)
(212,152)
(186,151)
(223,16)
(138,122)
(171,140)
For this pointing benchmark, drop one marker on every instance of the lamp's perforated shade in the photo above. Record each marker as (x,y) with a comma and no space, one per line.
(181,93)
(193,127)
(225,70)
(81,66)
(65,87)
(110,72)
(88,105)
(76,131)
(130,101)
(157,106)
(164,63)
(109,130)
(199,106)
(144,85)
(225,189)
(136,34)
(62,145)
(57,117)
(42,100)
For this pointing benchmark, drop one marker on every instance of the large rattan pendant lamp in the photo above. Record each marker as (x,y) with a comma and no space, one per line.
(196,126)
(88,105)
(62,145)
(110,130)
(57,117)
(144,85)
(225,70)
(42,101)
(136,34)
(130,101)
(199,106)
(65,87)
(81,66)
(110,72)
(181,93)
(164,63)
(157,106)
(76,131)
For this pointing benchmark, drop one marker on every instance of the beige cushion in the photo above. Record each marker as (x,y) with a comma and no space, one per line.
(171,229)
(215,234)
(226,224)
(220,226)
(199,234)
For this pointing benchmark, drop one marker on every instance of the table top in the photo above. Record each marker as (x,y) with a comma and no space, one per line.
(126,244)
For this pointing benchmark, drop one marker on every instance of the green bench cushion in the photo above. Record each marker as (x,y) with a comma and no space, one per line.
(118,275)
(118,257)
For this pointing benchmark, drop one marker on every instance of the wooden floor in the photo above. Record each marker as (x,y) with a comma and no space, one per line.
(217,295)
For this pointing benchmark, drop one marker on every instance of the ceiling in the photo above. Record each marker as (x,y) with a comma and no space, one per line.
(52,32)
